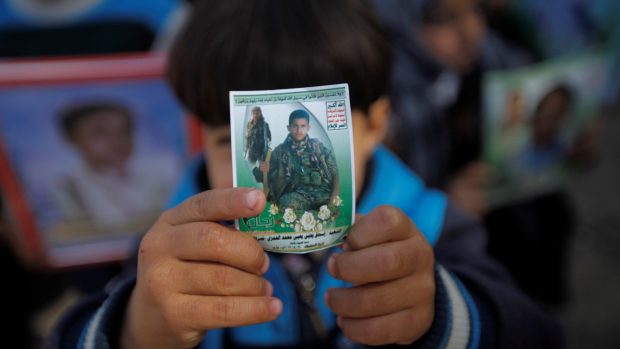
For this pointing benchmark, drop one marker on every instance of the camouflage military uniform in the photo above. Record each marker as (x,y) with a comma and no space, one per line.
(302,174)
(257,139)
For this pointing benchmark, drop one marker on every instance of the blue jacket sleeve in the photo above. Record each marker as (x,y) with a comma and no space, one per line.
(95,322)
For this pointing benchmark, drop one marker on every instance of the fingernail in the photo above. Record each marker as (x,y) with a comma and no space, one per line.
(265,266)
(275,306)
(251,199)
(345,247)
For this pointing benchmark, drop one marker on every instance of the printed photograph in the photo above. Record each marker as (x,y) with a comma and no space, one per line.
(299,154)
(535,119)
(94,160)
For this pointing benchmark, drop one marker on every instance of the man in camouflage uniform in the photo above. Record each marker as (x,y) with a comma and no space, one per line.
(303,174)
(257,137)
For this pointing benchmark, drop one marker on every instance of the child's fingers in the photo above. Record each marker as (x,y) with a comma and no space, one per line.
(204,313)
(206,241)
(212,279)
(217,205)
(382,298)
(389,329)
(383,224)
(382,262)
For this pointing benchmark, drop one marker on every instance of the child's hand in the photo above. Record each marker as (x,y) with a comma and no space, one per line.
(391,265)
(195,274)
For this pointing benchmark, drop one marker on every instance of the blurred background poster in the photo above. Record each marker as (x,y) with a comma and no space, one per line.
(89,151)
(537,120)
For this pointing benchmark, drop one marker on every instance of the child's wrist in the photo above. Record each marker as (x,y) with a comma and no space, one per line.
(127,338)
(132,336)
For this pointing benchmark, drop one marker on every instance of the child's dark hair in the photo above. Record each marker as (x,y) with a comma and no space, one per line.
(71,116)
(269,44)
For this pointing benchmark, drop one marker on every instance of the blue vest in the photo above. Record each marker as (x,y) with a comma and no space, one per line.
(391,183)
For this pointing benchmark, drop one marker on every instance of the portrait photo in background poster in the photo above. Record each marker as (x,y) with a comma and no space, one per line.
(534,120)
(94,148)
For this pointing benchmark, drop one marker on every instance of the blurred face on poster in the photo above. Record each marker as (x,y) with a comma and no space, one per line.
(453,31)
(104,138)
(549,116)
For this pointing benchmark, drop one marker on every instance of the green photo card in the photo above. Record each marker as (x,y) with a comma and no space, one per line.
(534,120)
(296,145)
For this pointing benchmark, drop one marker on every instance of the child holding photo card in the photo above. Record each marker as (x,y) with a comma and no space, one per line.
(413,270)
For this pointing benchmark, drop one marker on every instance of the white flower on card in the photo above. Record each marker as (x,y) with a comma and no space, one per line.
(289,215)
(307,221)
(337,201)
(324,212)
(319,226)
(273,210)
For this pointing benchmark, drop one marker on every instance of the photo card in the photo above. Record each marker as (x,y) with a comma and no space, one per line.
(296,145)
(535,119)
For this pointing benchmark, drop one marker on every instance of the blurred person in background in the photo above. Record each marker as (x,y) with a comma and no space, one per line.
(443,48)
